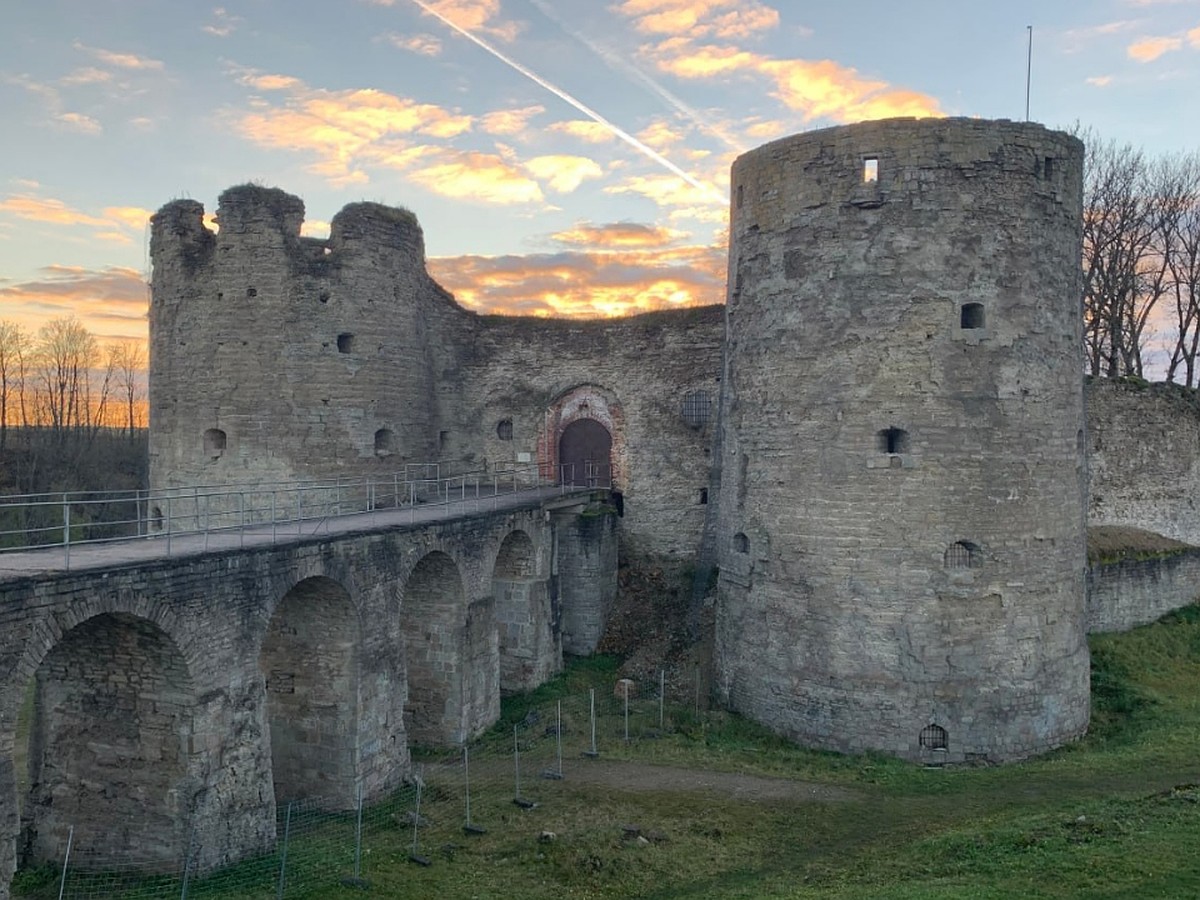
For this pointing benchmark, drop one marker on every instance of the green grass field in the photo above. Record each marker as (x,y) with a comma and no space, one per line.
(1115,815)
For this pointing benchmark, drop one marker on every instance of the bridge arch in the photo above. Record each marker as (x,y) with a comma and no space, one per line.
(309,660)
(529,650)
(451,654)
(109,717)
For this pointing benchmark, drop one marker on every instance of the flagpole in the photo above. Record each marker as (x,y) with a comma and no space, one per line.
(1028,70)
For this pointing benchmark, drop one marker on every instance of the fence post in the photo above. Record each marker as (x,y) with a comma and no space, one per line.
(273,517)
(358,839)
(187,860)
(169,524)
(287,831)
(415,856)
(625,685)
(242,518)
(62,883)
(299,507)
(469,827)
(662,693)
(66,532)
(558,735)
(593,753)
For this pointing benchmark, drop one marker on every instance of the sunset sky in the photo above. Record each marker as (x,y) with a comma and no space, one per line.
(564,157)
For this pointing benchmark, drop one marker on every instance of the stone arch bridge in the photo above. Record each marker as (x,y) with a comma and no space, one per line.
(195,692)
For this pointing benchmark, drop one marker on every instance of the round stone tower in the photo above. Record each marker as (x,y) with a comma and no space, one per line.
(902,491)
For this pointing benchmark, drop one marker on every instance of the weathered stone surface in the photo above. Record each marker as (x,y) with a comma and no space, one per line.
(274,357)
(1144,455)
(901,508)
(183,698)
(1126,593)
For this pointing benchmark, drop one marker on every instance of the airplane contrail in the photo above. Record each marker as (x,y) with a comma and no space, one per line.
(619,132)
(615,61)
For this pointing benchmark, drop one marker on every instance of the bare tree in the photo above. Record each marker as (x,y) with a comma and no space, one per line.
(64,356)
(130,362)
(1181,250)
(14,343)
(1119,224)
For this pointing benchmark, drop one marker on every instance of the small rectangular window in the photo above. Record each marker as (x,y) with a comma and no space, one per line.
(870,169)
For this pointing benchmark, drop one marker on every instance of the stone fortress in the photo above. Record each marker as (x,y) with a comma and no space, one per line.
(879,439)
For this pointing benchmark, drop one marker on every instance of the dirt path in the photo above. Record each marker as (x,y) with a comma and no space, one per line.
(640,777)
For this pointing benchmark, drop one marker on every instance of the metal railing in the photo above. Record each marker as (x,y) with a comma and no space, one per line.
(75,518)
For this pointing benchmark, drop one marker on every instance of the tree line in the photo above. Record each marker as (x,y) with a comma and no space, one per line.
(1141,262)
(72,411)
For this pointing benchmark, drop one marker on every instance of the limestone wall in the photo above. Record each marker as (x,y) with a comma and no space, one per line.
(275,357)
(1131,592)
(193,693)
(901,512)
(1144,456)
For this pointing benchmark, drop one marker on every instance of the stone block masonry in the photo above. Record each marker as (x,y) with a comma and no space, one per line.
(275,357)
(901,506)
(199,692)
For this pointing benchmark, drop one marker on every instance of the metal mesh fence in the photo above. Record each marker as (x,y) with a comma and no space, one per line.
(535,757)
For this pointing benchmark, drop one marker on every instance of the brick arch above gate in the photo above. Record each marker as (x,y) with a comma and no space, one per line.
(585,401)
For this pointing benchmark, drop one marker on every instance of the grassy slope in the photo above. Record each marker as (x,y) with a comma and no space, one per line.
(1115,815)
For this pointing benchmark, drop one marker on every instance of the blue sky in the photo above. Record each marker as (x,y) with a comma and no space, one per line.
(565,157)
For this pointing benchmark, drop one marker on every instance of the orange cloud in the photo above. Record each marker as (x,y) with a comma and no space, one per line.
(421,44)
(726,19)
(346,130)
(314,228)
(110,302)
(470,15)
(585,130)
(78,122)
(111,224)
(586,285)
(1099,80)
(1149,49)
(509,121)
(271,82)
(122,60)
(815,89)
(45,209)
(684,200)
(477,176)
(563,174)
(1193,37)
(130,216)
(87,75)
(617,236)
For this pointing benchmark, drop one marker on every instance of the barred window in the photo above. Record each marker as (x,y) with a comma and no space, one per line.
(934,737)
(972,316)
(697,407)
(963,555)
(504,429)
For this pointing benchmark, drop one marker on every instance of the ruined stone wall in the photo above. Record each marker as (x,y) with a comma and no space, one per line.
(275,357)
(1144,455)
(901,512)
(1126,593)
(634,375)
